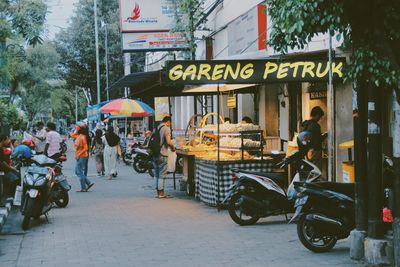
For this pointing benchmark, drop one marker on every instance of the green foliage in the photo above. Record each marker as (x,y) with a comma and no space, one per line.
(370,30)
(10,117)
(76,46)
(63,104)
(23,17)
(191,13)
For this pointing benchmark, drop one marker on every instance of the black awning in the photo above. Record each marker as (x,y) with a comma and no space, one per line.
(137,80)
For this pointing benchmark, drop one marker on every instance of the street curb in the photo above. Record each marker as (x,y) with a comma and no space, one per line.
(4,212)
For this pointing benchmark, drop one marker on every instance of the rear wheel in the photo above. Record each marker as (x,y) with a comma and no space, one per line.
(237,213)
(126,158)
(311,240)
(139,164)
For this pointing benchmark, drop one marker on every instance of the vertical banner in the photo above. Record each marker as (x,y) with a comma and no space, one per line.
(161,106)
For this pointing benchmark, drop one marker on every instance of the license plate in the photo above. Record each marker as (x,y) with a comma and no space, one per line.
(33,193)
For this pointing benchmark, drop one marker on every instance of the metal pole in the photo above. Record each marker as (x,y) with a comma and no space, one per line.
(331,132)
(96,33)
(76,106)
(107,71)
(375,161)
(218,147)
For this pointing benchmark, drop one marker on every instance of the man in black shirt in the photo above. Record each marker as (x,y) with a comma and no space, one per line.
(312,126)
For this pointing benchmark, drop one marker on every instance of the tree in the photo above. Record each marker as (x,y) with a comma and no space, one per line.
(188,17)
(76,46)
(35,80)
(370,30)
(63,103)
(23,18)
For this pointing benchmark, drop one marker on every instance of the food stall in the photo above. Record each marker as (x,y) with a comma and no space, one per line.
(212,150)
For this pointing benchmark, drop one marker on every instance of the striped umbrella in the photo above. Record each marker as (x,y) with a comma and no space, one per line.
(128,107)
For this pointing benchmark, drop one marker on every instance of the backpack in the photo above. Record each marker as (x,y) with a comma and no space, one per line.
(155,142)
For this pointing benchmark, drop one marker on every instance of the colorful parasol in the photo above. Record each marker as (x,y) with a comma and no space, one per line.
(127,107)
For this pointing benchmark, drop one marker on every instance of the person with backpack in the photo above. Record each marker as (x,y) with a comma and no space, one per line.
(98,152)
(111,141)
(159,143)
(312,126)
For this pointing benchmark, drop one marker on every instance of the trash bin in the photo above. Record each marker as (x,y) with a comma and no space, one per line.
(348,166)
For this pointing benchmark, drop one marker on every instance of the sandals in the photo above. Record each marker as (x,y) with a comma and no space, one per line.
(89,186)
(81,191)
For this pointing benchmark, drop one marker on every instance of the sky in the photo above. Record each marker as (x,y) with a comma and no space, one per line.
(59,13)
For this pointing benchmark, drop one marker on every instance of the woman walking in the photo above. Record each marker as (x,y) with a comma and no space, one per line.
(81,156)
(98,152)
(111,141)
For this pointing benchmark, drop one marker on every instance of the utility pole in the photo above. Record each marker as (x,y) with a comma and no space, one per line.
(76,106)
(96,33)
(375,162)
(331,133)
(360,112)
(106,59)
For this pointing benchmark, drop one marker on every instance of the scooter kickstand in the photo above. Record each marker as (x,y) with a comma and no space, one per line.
(286,217)
(47,218)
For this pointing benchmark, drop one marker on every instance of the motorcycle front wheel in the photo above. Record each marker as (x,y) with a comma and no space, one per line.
(307,235)
(63,200)
(237,214)
(126,158)
(28,210)
(139,164)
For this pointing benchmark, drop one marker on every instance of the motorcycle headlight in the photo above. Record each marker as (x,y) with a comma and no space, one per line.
(28,179)
(40,181)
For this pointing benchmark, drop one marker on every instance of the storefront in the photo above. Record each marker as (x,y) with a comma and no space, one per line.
(211,149)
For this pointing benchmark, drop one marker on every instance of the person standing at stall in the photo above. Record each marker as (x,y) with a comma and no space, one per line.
(312,126)
(160,159)
(81,156)
(111,141)
(98,152)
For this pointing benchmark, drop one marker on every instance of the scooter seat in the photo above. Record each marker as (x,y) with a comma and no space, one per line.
(279,177)
(347,189)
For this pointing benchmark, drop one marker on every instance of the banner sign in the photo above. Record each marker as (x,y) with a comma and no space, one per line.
(161,105)
(155,41)
(250,26)
(251,71)
(146,15)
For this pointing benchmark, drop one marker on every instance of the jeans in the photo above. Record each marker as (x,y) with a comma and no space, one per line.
(80,172)
(160,171)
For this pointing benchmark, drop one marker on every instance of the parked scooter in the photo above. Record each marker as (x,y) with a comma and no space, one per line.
(255,195)
(129,153)
(142,161)
(43,185)
(325,213)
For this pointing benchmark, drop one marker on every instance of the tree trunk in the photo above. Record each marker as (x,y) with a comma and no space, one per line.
(396,182)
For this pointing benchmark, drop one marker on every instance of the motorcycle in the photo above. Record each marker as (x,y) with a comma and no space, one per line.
(255,195)
(63,147)
(43,185)
(129,153)
(325,213)
(142,162)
